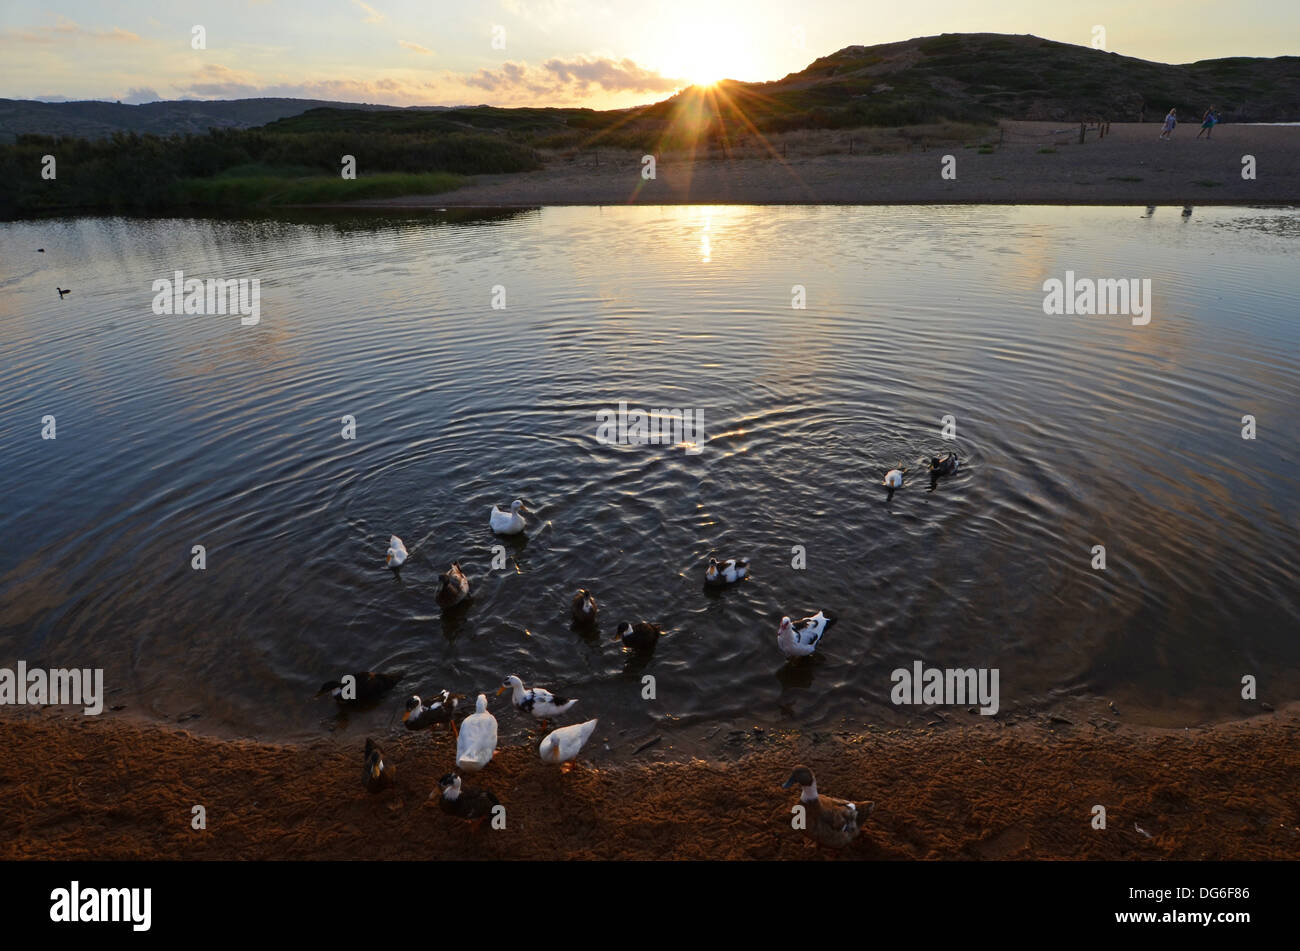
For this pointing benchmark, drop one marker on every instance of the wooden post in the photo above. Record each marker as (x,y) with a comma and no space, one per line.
(1082,128)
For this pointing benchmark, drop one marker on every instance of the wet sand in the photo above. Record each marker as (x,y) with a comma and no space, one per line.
(83,788)
(1129,166)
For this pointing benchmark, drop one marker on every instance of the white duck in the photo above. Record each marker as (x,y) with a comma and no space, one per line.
(800,638)
(563,745)
(726,572)
(538,701)
(478,738)
(396,556)
(507,523)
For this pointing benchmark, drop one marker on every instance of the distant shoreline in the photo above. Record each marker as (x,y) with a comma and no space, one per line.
(1036,165)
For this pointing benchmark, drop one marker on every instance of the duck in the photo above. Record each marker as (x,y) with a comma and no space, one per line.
(477,741)
(442,710)
(726,572)
(943,465)
(538,701)
(453,587)
(561,746)
(464,802)
(800,638)
(62,291)
(507,523)
(893,480)
(379,773)
(830,822)
(641,636)
(366,687)
(396,556)
(584,609)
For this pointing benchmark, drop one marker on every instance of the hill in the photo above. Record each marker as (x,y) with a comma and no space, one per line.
(93,119)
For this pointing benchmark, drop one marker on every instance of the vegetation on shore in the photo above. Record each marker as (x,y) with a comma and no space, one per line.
(245,168)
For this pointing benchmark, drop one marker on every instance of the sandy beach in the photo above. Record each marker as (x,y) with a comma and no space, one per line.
(114,788)
(1129,166)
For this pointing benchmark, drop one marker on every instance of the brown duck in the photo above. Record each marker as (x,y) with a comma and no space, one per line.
(830,822)
(379,772)
(453,587)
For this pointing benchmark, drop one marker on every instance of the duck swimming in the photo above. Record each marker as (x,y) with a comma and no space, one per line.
(831,822)
(584,609)
(561,746)
(396,555)
(364,687)
(464,802)
(478,738)
(641,636)
(943,465)
(537,701)
(800,638)
(379,773)
(453,587)
(726,572)
(421,717)
(893,480)
(507,523)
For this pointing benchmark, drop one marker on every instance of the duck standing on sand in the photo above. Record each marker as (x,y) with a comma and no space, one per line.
(726,572)
(641,636)
(893,480)
(478,738)
(830,822)
(379,772)
(536,701)
(507,523)
(561,747)
(464,802)
(364,687)
(421,717)
(396,555)
(800,638)
(584,609)
(453,587)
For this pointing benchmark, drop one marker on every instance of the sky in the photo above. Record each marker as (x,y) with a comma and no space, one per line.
(598,53)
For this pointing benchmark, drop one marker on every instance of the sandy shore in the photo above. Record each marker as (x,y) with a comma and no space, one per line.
(83,788)
(1129,166)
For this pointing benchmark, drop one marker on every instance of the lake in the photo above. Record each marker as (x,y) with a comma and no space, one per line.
(177,430)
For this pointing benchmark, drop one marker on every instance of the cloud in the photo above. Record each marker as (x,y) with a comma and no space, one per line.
(582,80)
(567,80)
(374,16)
(65,29)
(424,50)
(622,75)
(138,95)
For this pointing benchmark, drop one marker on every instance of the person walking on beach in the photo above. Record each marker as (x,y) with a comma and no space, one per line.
(1171,120)
(1207,123)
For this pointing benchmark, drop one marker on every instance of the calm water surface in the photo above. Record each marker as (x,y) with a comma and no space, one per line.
(175,431)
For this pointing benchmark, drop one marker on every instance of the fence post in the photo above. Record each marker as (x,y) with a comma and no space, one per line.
(1082,128)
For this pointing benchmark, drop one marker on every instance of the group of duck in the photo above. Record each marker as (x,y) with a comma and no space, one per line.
(830,821)
(476,737)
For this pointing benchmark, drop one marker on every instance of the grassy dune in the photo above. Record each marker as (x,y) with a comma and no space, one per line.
(274,189)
